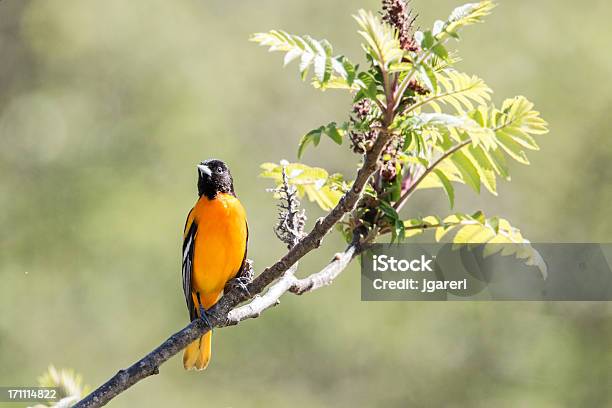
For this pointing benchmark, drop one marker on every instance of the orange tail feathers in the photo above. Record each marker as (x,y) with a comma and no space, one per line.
(197,354)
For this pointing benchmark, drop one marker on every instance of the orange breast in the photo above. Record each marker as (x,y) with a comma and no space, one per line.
(220,245)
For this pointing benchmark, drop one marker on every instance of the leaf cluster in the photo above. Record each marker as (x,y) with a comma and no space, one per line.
(445,128)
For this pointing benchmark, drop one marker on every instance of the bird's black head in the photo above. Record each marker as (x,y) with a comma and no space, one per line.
(214,177)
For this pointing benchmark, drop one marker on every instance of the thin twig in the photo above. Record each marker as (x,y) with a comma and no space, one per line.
(327,275)
(400,203)
(270,299)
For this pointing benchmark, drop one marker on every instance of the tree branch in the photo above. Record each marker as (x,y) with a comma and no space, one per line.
(220,313)
(149,364)
(328,274)
(288,282)
(259,303)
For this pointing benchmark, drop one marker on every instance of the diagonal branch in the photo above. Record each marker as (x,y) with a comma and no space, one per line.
(149,364)
(289,283)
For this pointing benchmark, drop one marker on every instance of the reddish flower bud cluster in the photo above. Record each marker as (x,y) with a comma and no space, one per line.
(399,15)
(417,88)
(362,109)
(361,141)
(389,167)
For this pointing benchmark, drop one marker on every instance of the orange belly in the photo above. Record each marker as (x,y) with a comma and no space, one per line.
(220,246)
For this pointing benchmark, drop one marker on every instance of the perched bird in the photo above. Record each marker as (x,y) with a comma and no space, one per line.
(214,250)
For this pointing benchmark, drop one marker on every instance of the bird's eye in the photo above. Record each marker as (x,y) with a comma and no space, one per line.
(219,170)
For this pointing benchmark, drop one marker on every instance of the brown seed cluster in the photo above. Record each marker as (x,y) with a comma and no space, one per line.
(389,167)
(362,109)
(399,15)
(417,88)
(361,141)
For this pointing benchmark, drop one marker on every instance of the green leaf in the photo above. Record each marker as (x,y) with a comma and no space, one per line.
(331,130)
(312,182)
(316,54)
(440,51)
(485,168)
(427,40)
(492,131)
(427,75)
(469,173)
(448,186)
(499,161)
(350,70)
(468,14)
(395,189)
(314,137)
(517,120)
(299,174)
(368,85)
(440,119)
(334,133)
(381,41)
(325,196)
(495,233)
(473,233)
(512,148)
(479,216)
(458,90)
(389,211)
(513,126)
(520,137)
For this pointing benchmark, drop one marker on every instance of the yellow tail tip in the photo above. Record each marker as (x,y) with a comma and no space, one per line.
(197,354)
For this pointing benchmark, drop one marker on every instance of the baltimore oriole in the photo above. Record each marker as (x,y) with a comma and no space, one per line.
(214,250)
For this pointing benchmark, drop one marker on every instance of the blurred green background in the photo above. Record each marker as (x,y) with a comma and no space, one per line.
(105,108)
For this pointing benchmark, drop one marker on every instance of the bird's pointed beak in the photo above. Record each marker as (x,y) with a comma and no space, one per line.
(204,169)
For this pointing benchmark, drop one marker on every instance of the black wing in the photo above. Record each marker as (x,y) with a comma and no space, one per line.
(188,251)
(246,248)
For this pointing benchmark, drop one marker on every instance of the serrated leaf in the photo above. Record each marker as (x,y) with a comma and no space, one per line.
(497,235)
(458,90)
(381,41)
(512,148)
(499,161)
(312,53)
(520,137)
(313,182)
(468,14)
(473,233)
(485,168)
